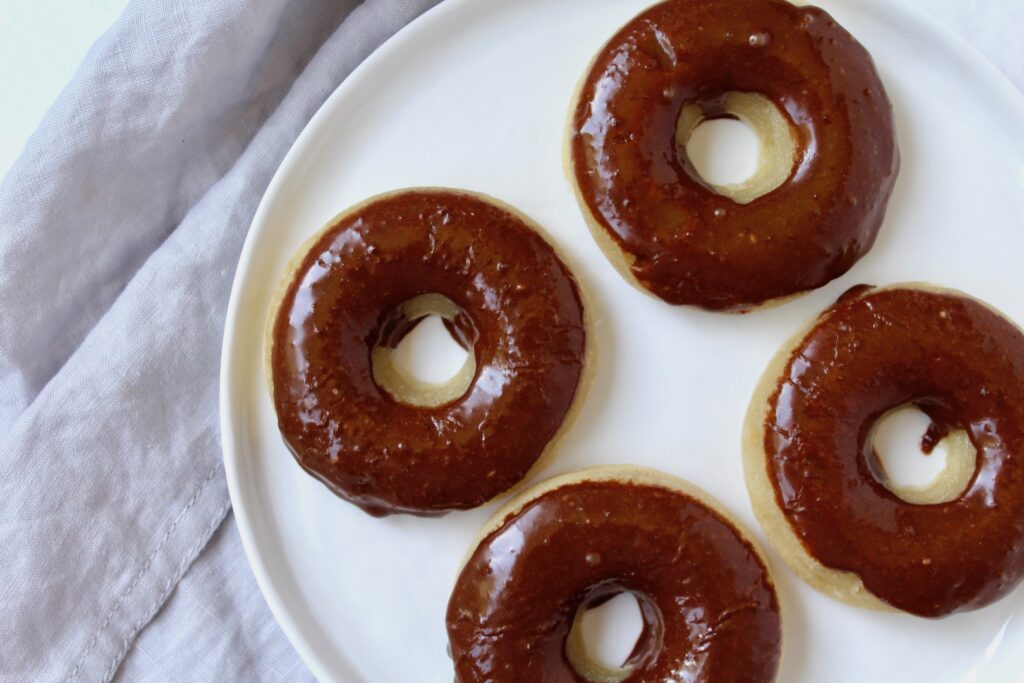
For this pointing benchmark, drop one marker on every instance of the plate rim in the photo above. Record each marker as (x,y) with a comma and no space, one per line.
(905,11)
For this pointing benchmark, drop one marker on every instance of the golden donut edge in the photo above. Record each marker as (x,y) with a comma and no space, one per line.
(628,474)
(590,348)
(841,585)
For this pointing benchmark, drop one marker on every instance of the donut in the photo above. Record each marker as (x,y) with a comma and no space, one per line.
(707,599)
(377,437)
(828,157)
(816,481)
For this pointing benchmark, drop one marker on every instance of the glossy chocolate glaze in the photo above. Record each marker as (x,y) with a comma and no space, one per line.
(708,603)
(690,244)
(963,364)
(521,314)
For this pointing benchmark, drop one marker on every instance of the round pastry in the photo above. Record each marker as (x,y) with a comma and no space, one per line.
(827,164)
(705,593)
(379,438)
(820,489)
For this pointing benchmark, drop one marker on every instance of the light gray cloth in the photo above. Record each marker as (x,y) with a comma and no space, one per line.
(215,627)
(120,228)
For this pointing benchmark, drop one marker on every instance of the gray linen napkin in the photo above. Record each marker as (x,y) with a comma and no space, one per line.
(120,228)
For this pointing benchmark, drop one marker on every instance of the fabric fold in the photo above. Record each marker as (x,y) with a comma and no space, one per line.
(161,108)
(111,480)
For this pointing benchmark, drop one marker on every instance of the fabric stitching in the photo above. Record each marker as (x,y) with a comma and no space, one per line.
(172,580)
(142,572)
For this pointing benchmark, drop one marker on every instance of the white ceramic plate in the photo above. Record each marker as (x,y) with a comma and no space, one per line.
(474,94)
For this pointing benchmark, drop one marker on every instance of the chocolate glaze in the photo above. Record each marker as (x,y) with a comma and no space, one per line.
(521,314)
(690,244)
(963,364)
(709,605)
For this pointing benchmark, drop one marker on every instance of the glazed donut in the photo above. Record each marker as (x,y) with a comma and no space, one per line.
(819,488)
(827,165)
(708,601)
(380,439)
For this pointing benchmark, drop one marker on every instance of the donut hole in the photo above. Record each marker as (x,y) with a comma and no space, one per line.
(428,353)
(898,459)
(424,353)
(739,145)
(723,151)
(611,632)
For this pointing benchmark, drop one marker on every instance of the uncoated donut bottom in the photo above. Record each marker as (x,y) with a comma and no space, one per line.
(845,586)
(735,248)
(418,394)
(628,475)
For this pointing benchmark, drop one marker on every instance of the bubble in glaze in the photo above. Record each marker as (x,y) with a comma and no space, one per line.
(759,39)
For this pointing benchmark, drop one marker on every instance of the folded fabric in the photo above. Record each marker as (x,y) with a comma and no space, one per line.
(121,227)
